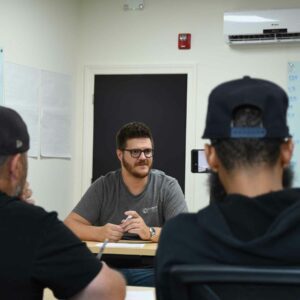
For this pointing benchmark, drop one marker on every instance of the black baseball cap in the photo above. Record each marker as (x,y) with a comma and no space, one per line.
(14,137)
(267,96)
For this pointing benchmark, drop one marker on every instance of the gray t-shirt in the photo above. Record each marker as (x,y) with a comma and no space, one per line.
(108,198)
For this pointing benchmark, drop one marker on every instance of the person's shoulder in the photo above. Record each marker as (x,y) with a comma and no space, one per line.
(187,224)
(162,175)
(209,214)
(109,177)
(176,229)
(30,213)
(180,221)
(156,172)
(22,206)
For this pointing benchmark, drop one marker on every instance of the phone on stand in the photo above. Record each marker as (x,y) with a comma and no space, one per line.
(199,163)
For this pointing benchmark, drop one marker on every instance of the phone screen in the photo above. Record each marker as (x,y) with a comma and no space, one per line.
(199,163)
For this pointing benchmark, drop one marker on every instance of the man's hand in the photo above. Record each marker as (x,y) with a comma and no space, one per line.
(136,225)
(26,194)
(112,232)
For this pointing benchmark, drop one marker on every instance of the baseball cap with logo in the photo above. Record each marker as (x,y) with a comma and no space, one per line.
(267,96)
(14,137)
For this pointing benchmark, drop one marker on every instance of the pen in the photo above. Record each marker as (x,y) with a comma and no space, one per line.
(99,255)
(128,218)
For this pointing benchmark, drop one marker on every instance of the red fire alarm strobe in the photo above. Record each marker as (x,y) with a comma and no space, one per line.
(184,41)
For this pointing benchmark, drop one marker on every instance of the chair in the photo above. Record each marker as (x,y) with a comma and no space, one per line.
(216,282)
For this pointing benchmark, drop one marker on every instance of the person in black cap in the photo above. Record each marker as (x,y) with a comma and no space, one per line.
(37,249)
(254,219)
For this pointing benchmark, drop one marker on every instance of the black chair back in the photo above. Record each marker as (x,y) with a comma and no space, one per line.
(221,282)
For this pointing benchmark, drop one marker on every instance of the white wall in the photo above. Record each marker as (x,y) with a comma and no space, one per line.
(44,34)
(111,36)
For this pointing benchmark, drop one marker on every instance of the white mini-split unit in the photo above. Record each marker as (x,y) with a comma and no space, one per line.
(265,26)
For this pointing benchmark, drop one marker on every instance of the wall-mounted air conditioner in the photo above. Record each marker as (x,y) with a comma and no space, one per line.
(265,26)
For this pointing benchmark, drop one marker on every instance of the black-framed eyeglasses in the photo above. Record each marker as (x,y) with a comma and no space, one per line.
(136,153)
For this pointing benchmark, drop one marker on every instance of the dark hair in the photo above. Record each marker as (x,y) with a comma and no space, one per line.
(130,131)
(247,152)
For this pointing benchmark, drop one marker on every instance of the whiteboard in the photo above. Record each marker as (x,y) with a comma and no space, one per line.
(1,77)
(293,89)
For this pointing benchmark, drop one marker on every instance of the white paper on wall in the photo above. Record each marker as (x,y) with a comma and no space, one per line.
(21,92)
(56,115)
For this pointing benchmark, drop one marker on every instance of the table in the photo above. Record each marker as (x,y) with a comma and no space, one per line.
(123,257)
(149,248)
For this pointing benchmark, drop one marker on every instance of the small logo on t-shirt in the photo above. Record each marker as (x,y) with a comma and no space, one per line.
(149,210)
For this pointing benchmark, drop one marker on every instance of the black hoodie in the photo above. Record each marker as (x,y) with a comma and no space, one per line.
(259,231)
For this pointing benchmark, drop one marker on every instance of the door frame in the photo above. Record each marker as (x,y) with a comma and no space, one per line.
(88,114)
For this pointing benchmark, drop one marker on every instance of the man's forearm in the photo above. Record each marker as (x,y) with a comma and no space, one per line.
(108,285)
(86,232)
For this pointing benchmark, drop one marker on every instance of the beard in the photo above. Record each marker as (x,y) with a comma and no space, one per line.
(20,186)
(19,190)
(217,192)
(216,189)
(131,168)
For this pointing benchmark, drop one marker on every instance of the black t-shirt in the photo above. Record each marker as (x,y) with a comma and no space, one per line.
(264,230)
(38,251)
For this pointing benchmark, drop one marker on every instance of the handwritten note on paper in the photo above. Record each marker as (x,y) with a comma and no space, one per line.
(122,245)
(293,90)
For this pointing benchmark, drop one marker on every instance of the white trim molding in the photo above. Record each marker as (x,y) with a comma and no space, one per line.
(88,121)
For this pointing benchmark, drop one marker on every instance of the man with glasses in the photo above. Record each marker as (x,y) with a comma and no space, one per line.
(134,200)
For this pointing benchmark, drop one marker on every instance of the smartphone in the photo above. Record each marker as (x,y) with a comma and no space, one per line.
(199,163)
